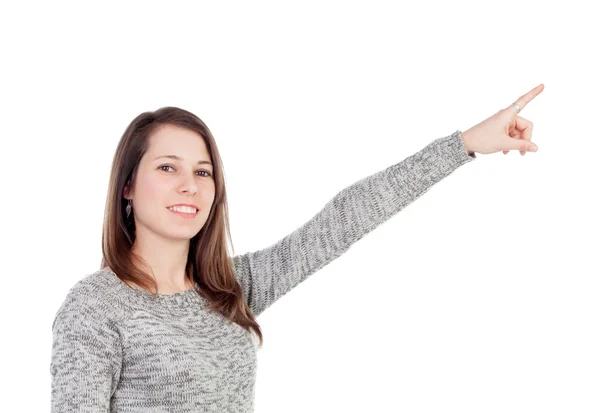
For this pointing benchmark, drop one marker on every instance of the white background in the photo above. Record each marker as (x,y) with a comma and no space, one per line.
(481,296)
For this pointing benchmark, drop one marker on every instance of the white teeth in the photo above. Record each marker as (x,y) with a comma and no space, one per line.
(188,210)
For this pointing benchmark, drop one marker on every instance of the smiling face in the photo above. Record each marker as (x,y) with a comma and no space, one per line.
(162,182)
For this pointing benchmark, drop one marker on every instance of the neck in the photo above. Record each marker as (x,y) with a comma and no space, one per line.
(166,259)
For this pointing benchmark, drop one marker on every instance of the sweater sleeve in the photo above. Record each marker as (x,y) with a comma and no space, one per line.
(267,274)
(86,358)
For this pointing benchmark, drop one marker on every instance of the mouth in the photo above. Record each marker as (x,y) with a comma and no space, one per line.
(184,214)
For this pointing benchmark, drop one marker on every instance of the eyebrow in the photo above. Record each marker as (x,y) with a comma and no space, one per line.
(181,159)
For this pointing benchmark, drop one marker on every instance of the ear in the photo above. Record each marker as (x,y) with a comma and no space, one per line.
(126,192)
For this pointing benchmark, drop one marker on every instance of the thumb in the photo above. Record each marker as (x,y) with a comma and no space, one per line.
(520,145)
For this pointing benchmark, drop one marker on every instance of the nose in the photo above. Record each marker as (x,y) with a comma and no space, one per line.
(189,185)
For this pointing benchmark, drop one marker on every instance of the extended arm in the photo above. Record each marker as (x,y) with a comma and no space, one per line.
(268,274)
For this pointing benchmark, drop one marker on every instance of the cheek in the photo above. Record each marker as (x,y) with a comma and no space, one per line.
(151,191)
(207,192)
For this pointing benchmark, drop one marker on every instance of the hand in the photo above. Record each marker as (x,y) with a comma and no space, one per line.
(503,131)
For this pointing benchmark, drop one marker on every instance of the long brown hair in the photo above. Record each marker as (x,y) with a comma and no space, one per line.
(208,263)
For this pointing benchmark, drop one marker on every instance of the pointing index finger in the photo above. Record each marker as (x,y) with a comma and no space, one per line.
(528,97)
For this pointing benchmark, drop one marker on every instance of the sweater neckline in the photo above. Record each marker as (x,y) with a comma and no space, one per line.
(181,299)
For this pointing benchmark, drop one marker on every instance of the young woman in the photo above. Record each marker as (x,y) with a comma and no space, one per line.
(169,321)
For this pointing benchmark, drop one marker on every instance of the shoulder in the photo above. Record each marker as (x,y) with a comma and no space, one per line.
(94,292)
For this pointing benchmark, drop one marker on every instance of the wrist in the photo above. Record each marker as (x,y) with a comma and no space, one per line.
(466,142)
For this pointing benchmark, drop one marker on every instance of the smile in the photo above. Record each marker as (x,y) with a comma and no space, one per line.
(184,214)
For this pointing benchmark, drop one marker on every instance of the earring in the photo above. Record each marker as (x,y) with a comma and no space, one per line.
(128,209)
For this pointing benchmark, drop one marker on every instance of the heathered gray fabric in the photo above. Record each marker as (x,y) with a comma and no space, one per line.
(114,349)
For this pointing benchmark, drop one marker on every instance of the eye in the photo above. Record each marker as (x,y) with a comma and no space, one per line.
(170,166)
(164,166)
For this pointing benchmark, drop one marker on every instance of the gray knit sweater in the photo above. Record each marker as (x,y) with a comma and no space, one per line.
(114,349)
